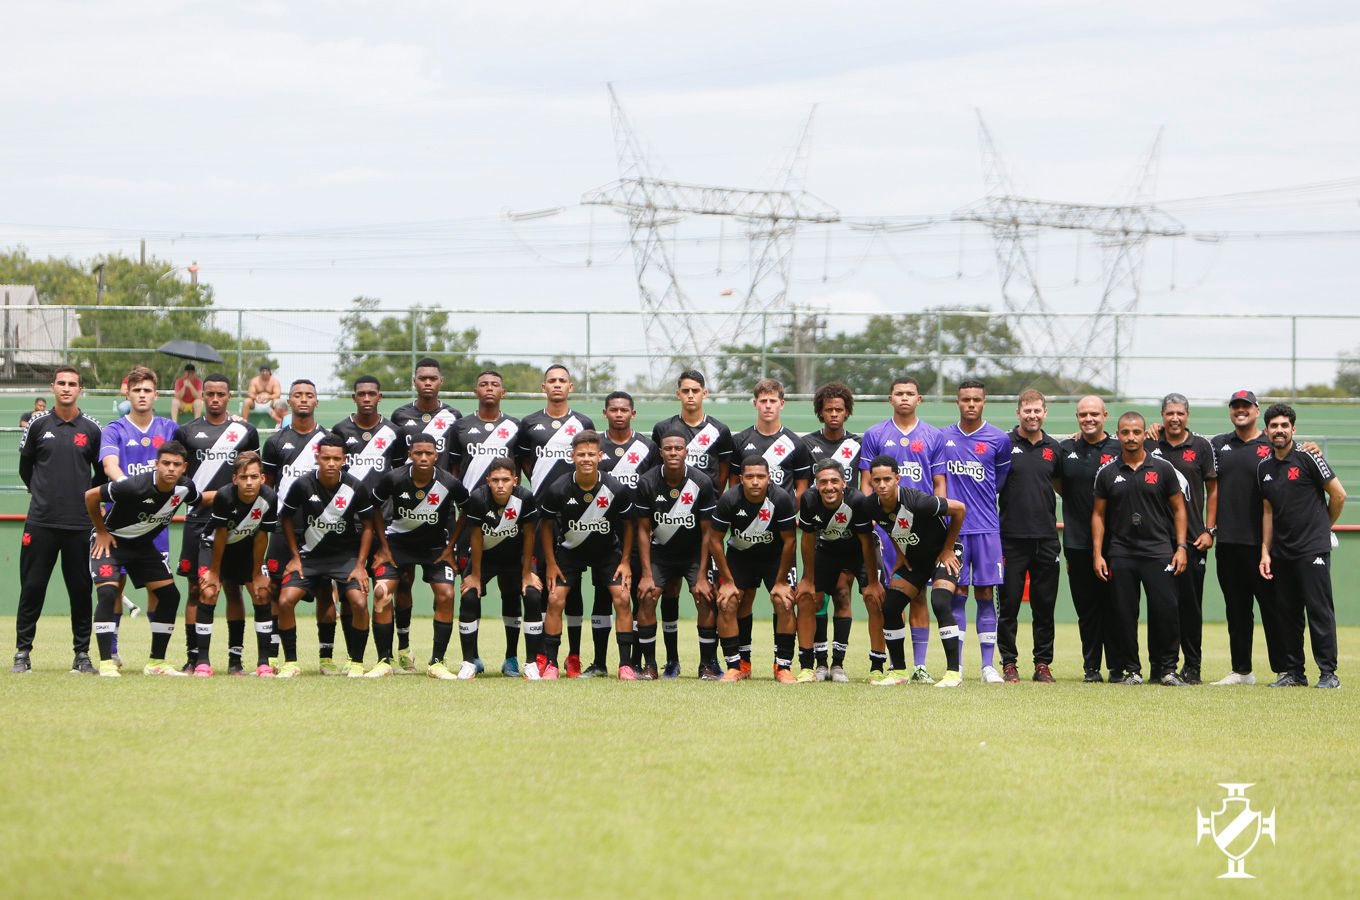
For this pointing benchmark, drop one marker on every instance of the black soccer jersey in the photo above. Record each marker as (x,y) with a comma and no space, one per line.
(328,521)
(1195,461)
(1028,505)
(710,443)
(288,455)
(844,451)
(837,525)
(138,511)
(476,443)
(784,451)
(371,452)
(1301,525)
(411,421)
(1080,462)
(212,451)
(1239,491)
(1138,518)
(422,517)
(59,462)
(242,520)
(917,519)
(588,521)
(502,537)
(754,526)
(628,461)
(676,511)
(544,446)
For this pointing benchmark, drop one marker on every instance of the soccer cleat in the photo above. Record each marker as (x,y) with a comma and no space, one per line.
(550,672)
(510,668)
(467,671)
(746,667)
(234,666)
(648,673)
(132,609)
(1043,674)
(203,670)
(117,659)
(383,669)
(626,673)
(573,666)
(354,669)
(595,670)
(264,670)
(950,680)
(1092,676)
(1191,676)
(109,669)
(822,673)
(1128,678)
(406,663)
(672,669)
(327,666)
(1010,673)
(531,672)
(1237,678)
(189,666)
(273,662)
(161,667)
(784,676)
(81,665)
(22,663)
(737,674)
(892,678)
(1328,681)
(807,676)
(289,670)
(838,675)
(1171,679)
(710,672)
(919,675)
(440,672)
(991,676)
(1289,680)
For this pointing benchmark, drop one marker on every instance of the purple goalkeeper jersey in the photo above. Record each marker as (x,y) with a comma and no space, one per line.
(136,452)
(975,467)
(915,451)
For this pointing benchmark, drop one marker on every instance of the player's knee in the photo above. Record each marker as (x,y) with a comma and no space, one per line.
(557,600)
(167,598)
(470,606)
(207,595)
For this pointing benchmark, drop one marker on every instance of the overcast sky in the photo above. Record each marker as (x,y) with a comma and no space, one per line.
(374,148)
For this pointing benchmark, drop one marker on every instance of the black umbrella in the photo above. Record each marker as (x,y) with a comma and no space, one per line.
(190,350)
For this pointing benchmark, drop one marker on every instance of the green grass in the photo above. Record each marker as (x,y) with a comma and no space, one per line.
(154,787)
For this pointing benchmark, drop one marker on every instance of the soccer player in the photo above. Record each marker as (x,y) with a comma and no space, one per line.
(544,454)
(478,439)
(781,448)
(328,521)
(914,443)
(1302,499)
(1082,457)
(124,542)
(428,414)
(1029,538)
(761,519)
(1138,526)
(58,462)
(674,505)
(39,405)
(1197,470)
(231,555)
(188,393)
(975,458)
(501,518)
(924,530)
(587,524)
(837,539)
(213,441)
(425,501)
(264,390)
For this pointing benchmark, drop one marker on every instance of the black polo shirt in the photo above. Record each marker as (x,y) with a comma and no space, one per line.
(1028,504)
(1138,518)
(1239,492)
(1080,462)
(59,462)
(1194,458)
(1301,523)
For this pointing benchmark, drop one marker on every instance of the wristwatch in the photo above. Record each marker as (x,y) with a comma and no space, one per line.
(1213,532)
(1184,546)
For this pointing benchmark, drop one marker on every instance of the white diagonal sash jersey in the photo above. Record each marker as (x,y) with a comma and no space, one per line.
(499,441)
(697,450)
(557,447)
(147,523)
(625,468)
(838,526)
(430,507)
(845,454)
(222,452)
(775,454)
(508,528)
(680,515)
(303,462)
(576,530)
(757,531)
(250,524)
(334,512)
(373,458)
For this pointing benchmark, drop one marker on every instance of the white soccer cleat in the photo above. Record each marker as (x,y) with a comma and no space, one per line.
(467,671)
(531,672)
(991,676)
(1237,678)
(132,609)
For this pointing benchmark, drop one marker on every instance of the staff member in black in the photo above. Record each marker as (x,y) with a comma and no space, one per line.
(1029,538)
(1302,500)
(1082,457)
(1139,515)
(58,461)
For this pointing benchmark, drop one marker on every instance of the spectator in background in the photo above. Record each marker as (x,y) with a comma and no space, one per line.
(39,405)
(264,390)
(188,393)
(124,406)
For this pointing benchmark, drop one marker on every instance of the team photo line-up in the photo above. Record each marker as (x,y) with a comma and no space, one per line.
(916,518)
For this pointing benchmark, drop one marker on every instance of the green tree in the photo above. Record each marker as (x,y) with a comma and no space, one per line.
(1348,374)
(387,346)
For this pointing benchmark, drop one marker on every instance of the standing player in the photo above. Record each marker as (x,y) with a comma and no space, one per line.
(1138,538)
(424,501)
(914,444)
(1029,538)
(1302,501)
(124,543)
(328,521)
(231,556)
(58,462)
(1197,470)
(708,449)
(428,414)
(213,441)
(544,454)
(837,541)
(501,517)
(760,550)
(975,458)
(479,439)
(674,505)
(587,524)
(782,449)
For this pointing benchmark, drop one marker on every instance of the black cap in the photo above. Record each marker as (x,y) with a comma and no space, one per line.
(1243,397)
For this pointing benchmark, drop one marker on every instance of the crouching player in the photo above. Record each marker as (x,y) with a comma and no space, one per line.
(501,517)
(928,553)
(231,557)
(425,503)
(759,551)
(140,508)
(837,539)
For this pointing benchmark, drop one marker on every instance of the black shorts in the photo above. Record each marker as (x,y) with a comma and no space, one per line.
(405,563)
(833,559)
(666,571)
(139,560)
(508,578)
(238,562)
(924,568)
(188,550)
(276,556)
(751,570)
(573,565)
(317,573)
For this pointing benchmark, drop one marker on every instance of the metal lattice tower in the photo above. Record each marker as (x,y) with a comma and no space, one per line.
(676,336)
(1078,349)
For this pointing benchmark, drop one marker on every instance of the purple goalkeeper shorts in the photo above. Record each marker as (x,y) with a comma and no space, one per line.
(983,564)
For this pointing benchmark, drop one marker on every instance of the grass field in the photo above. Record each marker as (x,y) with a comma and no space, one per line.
(235,787)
